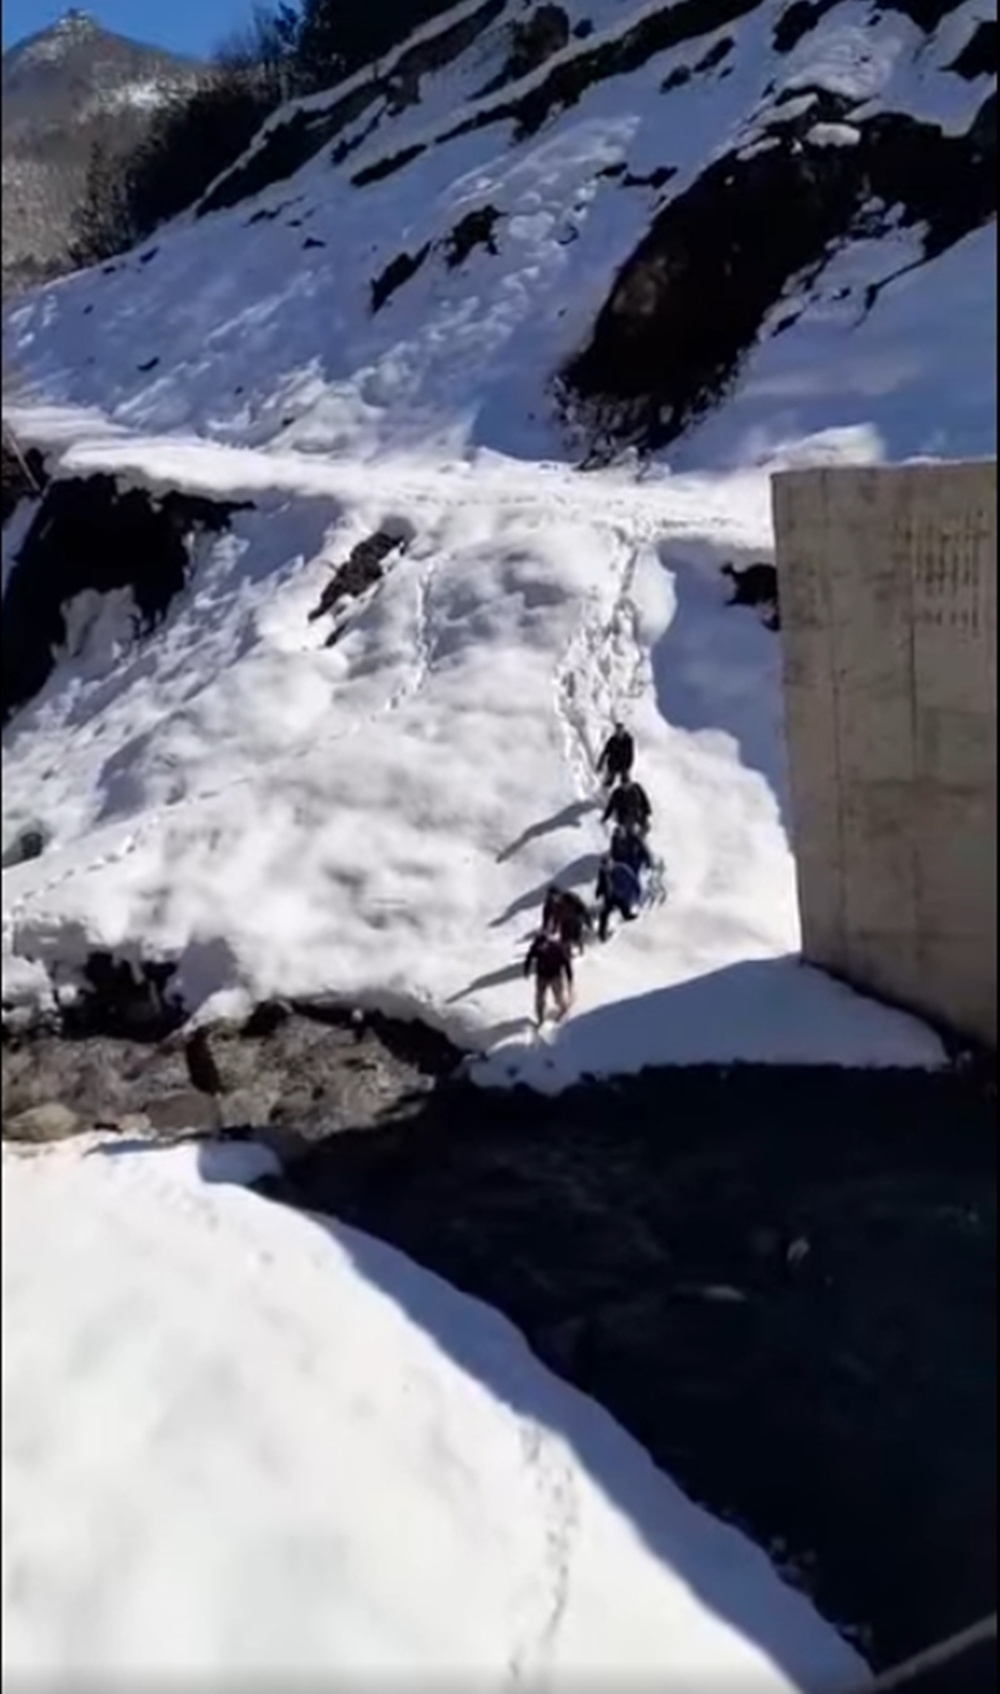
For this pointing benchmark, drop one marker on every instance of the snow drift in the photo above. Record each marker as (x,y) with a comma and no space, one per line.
(239,1442)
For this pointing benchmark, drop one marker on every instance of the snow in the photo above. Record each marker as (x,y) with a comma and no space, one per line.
(144,95)
(935,391)
(266,343)
(219,1415)
(834,135)
(377,819)
(242,1442)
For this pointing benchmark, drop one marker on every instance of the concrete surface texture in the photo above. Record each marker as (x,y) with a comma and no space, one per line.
(887,581)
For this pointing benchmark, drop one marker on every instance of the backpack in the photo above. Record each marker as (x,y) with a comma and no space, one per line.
(550,958)
(624,883)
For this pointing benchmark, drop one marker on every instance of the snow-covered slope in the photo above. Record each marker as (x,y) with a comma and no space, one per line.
(845,127)
(379,818)
(395,316)
(239,1443)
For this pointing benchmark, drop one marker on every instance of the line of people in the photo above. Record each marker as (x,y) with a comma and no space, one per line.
(567,921)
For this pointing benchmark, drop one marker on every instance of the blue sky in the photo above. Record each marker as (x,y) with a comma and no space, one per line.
(185,26)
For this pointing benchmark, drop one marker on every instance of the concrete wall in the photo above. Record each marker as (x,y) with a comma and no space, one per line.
(887,580)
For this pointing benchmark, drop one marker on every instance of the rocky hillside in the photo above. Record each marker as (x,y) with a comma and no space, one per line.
(64,89)
(590,224)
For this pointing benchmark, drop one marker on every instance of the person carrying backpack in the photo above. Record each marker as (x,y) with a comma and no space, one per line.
(628,848)
(628,806)
(618,890)
(617,756)
(550,963)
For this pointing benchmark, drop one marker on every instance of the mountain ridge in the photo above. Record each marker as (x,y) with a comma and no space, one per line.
(65,89)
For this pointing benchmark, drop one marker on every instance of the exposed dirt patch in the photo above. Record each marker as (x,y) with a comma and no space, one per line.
(400,270)
(87,534)
(689,306)
(476,229)
(782,1282)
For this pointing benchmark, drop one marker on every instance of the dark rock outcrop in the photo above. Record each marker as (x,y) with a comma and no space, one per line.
(87,534)
(476,229)
(24,476)
(397,272)
(690,304)
(362,570)
(756,585)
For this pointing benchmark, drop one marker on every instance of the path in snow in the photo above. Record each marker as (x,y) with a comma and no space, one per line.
(378,819)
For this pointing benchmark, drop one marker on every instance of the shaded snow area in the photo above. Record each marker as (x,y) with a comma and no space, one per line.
(378,818)
(242,1442)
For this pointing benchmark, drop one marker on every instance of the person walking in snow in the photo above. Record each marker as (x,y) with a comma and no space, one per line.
(628,806)
(617,756)
(550,963)
(618,890)
(629,848)
(564,914)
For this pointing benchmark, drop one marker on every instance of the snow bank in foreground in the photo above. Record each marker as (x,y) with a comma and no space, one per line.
(378,819)
(238,1441)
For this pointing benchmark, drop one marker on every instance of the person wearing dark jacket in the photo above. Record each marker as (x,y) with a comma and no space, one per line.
(550,962)
(552,909)
(628,805)
(617,756)
(617,890)
(628,848)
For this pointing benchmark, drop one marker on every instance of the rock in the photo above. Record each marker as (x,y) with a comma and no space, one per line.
(127,1123)
(29,844)
(185,1111)
(247,1108)
(202,1068)
(50,1122)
